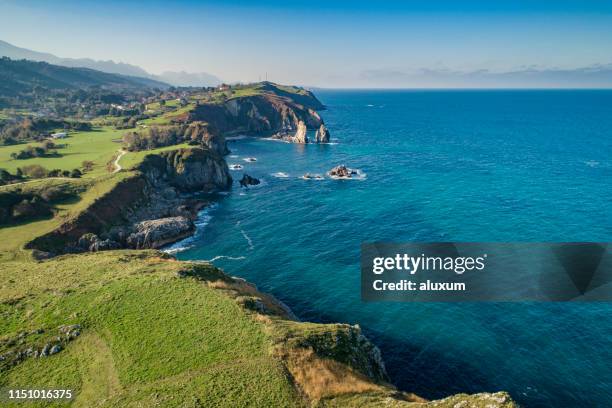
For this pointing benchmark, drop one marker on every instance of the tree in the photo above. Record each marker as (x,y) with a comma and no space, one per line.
(87,165)
(76,173)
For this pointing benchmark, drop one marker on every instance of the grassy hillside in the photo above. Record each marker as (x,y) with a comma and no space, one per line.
(147,335)
(23,76)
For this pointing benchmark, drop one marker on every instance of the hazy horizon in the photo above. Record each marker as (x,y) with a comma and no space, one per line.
(340,45)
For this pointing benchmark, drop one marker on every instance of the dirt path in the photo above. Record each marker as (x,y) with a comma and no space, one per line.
(98,372)
(116,162)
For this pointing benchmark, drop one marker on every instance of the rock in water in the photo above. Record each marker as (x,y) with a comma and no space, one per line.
(248,181)
(300,135)
(342,171)
(322,135)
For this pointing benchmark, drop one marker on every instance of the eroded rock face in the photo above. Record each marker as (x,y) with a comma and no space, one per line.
(300,134)
(322,135)
(157,233)
(188,170)
(262,115)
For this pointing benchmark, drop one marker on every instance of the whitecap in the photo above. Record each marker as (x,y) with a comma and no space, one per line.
(202,221)
(280,174)
(233,156)
(250,159)
(234,166)
(244,234)
(592,163)
(231,258)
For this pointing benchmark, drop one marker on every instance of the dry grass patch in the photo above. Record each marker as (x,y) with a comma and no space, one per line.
(319,378)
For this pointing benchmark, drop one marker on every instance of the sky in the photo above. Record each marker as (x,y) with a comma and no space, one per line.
(489,43)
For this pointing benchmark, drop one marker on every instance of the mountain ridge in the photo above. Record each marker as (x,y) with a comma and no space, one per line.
(179,78)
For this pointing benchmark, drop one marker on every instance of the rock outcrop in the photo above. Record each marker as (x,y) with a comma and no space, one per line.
(187,170)
(322,135)
(248,181)
(208,137)
(300,134)
(159,232)
(342,171)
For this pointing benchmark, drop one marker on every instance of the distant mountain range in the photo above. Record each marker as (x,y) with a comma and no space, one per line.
(19,77)
(173,78)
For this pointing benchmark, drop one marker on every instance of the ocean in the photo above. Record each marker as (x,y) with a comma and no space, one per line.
(479,166)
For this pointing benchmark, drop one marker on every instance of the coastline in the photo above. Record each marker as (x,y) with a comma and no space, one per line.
(162,185)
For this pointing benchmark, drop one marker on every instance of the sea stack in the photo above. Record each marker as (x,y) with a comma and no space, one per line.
(322,135)
(300,134)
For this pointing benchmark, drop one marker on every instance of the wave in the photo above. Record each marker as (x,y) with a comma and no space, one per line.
(234,166)
(202,221)
(592,163)
(231,258)
(244,234)
(240,137)
(280,174)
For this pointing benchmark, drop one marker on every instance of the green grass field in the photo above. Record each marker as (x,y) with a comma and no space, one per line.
(98,145)
(149,338)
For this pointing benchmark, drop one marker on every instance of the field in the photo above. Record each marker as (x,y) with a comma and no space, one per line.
(98,145)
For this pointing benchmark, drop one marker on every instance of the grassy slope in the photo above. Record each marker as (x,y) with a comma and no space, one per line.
(148,336)
(97,145)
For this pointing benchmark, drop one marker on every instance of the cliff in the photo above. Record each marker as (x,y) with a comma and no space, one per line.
(146,208)
(263,111)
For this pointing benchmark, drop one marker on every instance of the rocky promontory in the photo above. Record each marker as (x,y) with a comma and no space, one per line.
(152,208)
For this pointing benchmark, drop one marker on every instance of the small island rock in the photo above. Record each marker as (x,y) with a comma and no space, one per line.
(248,181)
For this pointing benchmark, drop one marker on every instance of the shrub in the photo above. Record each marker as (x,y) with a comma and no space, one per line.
(34,171)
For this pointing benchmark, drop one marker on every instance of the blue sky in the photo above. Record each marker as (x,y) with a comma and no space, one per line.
(330,43)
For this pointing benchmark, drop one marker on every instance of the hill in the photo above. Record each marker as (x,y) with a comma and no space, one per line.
(174,78)
(23,76)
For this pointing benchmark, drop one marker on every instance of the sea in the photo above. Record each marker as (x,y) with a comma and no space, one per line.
(436,165)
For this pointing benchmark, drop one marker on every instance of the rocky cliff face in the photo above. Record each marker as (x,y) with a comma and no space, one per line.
(187,170)
(208,137)
(300,133)
(260,115)
(146,210)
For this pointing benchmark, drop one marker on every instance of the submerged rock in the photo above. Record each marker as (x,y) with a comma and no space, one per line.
(248,181)
(322,135)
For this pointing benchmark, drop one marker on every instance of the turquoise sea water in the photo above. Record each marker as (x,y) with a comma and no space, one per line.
(441,166)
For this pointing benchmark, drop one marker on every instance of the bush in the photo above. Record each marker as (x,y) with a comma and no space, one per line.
(87,165)
(34,171)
